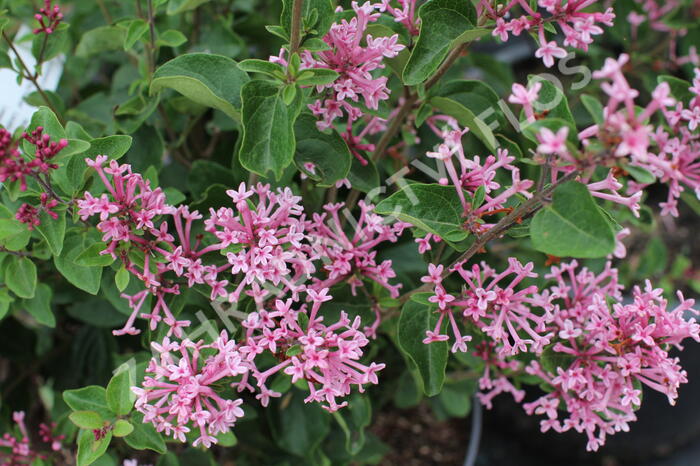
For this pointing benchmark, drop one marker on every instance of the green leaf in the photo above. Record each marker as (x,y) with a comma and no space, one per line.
(268,129)
(121,278)
(296,426)
(364,178)
(144,436)
(5,60)
(175,7)
(353,422)
(204,174)
(40,305)
(550,360)
(210,80)
(255,65)
(89,449)
(51,45)
(91,257)
(20,277)
(470,35)
(226,439)
(85,278)
(86,419)
(137,28)
(442,22)
(122,428)
(431,207)
(551,100)
(101,39)
(17,241)
(90,398)
(45,118)
(466,118)
(594,107)
(120,398)
(289,92)
(573,226)
(9,227)
(430,360)
(53,230)
(169,459)
(327,151)
(171,38)
(641,175)
(680,88)
(316,77)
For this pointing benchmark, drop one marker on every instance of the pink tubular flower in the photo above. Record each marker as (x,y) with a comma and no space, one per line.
(494,381)
(526,97)
(610,352)
(548,52)
(553,143)
(177,394)
(405,15)
(49,18)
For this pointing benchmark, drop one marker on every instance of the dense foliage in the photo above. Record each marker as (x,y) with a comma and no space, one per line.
(237,229)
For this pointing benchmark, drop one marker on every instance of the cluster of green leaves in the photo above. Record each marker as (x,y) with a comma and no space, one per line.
(103,414)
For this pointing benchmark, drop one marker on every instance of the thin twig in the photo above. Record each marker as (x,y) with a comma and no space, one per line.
(295,30)
(105,11)
(33,78)
(526,208)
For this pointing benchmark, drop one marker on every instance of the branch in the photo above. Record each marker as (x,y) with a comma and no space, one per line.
(295,33)
(33,78)
(531,205)
(411,100)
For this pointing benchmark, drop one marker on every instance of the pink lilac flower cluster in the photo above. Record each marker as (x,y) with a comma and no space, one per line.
(576,24)
(612,351)
(262,247)
(179,393)
(128,217)
(16,450)
(355,58)
(553,150)
(49,18)
(498,370)
(14,167)
(348,257)
(514,319)
(470,175)
(669,150)
(355,64)
(266,244)
(326,355)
